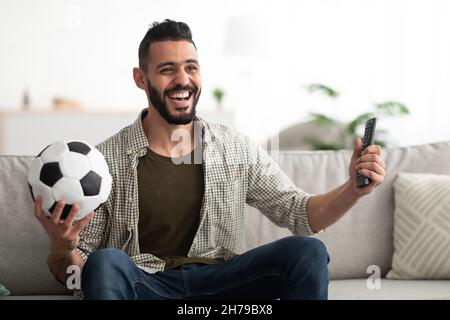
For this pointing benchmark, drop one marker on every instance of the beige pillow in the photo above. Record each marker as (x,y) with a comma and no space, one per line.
(421,227)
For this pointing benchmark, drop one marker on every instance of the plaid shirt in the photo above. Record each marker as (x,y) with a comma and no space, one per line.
(236,172)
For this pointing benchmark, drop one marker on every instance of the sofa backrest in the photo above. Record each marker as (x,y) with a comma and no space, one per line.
(361,238)
(364,236)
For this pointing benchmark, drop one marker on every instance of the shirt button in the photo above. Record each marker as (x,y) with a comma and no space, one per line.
(130,199)
(129,151)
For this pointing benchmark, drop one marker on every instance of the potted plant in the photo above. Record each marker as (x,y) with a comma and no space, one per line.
(218,94)
(347,130)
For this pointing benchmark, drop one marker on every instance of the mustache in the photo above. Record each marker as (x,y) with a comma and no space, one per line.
(180,88)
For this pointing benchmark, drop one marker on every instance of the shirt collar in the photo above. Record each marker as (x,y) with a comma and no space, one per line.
(138,142)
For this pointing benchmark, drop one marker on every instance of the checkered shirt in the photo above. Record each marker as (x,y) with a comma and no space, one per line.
(236,172)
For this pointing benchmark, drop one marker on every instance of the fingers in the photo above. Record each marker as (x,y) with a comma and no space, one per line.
(39,213)
(72,215)
(80,224)
(371,158)
(373,148)
(56,214)
(357,147)
(375,177)
(372,166)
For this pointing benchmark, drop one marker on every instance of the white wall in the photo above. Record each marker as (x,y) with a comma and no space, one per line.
(369,50)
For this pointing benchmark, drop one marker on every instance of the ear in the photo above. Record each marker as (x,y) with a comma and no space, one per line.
(139,78)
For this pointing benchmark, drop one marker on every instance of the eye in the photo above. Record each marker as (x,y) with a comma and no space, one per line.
(192,68)
(166,70)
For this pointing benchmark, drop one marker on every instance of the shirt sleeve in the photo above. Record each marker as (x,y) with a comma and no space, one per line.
(92,234)
(272,192)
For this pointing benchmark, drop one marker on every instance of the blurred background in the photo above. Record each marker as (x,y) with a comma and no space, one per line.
(312,70)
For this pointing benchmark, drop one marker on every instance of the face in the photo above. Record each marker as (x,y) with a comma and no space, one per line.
(173,80)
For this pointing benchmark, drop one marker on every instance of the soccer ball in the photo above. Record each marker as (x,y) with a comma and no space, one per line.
(72,171)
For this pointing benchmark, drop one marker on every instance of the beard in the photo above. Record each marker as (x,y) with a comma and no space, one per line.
(161,106)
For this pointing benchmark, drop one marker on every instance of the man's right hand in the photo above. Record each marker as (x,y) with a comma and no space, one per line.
(63,234)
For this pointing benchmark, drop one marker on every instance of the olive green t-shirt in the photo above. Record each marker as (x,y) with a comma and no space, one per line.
(170,200)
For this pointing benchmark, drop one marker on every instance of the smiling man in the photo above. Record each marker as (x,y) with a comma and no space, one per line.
(173,226)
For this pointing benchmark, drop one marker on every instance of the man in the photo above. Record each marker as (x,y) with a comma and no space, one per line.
(173,226)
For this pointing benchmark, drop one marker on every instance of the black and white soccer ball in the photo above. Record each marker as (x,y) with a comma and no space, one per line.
(72,171)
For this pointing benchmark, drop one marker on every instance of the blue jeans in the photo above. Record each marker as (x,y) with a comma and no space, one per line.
(290,268)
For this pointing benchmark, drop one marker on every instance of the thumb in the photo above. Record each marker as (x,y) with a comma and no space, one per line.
(357,147)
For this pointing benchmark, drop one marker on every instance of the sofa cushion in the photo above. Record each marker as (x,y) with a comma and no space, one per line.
(357,289)
(364,236)
(421,227)
(25,245)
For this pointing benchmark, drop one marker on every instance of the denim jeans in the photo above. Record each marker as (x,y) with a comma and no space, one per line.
(290,268)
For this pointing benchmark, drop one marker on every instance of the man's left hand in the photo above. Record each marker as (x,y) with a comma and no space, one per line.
(367,163)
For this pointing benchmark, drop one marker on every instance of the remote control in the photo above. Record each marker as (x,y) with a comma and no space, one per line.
(369,132)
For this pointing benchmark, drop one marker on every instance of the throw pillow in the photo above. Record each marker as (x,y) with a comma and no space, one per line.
(421,227)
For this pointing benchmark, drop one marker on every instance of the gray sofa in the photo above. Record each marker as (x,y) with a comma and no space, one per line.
(364,237)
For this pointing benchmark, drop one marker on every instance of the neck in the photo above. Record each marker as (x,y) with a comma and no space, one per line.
(166,139)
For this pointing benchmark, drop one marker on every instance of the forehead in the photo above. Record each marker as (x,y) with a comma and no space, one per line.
(173,51)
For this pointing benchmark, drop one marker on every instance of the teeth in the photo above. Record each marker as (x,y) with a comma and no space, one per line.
(181,95)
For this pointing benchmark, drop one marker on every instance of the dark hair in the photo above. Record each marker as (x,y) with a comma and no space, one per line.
(161,31)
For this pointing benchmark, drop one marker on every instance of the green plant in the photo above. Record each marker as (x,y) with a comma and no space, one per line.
(218,94)
(348,130)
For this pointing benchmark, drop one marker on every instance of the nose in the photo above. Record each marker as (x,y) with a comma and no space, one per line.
(182,78)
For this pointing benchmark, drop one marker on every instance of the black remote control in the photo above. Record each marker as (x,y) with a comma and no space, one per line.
(369,132)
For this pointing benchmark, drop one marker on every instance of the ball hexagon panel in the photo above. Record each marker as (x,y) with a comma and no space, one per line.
(91,184)
(50,173)
(40,189)
(106,187)
(74,165)
(54,152)
(69,190)
(89,204)
(35,170)
(98,162)
(79,147)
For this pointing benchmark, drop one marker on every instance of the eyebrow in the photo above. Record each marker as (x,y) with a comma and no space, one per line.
(170,63)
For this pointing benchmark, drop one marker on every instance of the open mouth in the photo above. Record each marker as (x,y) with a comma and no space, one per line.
(182,95)
(181,99)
